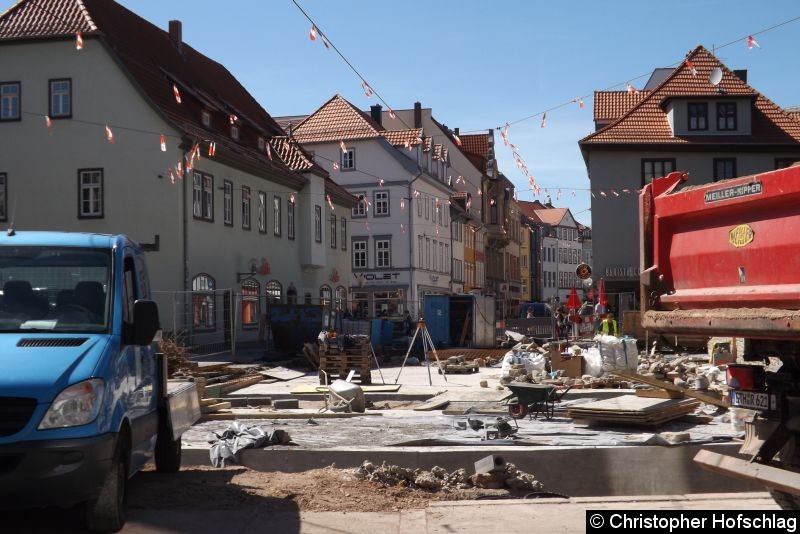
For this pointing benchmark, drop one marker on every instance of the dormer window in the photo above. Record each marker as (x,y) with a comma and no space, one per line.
(261,143)
(726,116)
(206,118)
(698,116)
(234,132)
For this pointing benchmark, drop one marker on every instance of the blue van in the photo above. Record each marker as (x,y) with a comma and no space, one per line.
(84,400)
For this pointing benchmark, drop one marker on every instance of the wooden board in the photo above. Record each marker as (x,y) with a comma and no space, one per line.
(659,394)
(436,403)
(699,395)
(630,409)
(216,407)
(311,389)
(282,373)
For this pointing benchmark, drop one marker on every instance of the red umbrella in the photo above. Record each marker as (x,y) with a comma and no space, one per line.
(602,298)
(573,303)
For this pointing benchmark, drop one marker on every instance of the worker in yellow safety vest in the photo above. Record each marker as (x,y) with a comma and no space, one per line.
(609,325)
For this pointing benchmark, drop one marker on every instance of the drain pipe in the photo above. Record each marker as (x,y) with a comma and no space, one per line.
(411,237)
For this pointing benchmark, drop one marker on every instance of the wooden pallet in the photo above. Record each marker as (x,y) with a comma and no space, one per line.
(362,350)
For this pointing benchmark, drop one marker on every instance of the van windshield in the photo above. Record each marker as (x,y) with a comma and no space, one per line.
(64,289)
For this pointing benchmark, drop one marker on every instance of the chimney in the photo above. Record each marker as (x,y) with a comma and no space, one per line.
(417,115)
(455,130)
(376,111)
(741,74)
(176,34)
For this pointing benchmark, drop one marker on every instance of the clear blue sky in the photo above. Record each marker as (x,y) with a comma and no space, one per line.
(478,64)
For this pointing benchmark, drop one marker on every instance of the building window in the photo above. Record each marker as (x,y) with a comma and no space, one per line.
(325,295)
(428,253)
(383,253)
(656,168)
(359,254)
(3,196)
(782,163)
(90,193)
(493,212)
(419,252)
(726,116)
(344,233)
(60,99)
(9,101)
(262,212)
(442,266)
(276,215)
(274,291)
(427,209)
(205,116)
(250,302)
(389,303)
(234,132)
(360,209)
(290,220)
(203,317)
(333,230)
(227,202)
(245,207)
(698,116)
(381,203)
(341,298)
(348,159)
(724,168)
(419,207)
(318,224)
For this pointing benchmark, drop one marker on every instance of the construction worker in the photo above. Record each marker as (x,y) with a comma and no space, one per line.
(609,325)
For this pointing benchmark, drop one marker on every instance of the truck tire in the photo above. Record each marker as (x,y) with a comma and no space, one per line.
(106,512)
(168,451)
(787,501)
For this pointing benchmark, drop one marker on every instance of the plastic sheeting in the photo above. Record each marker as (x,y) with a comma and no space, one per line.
(227,446)
(533,361)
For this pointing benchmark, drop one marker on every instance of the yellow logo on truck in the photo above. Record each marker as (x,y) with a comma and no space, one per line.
(741,236)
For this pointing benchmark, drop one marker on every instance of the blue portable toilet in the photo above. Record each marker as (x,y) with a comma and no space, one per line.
(376,332)
(437,318)
(387,332)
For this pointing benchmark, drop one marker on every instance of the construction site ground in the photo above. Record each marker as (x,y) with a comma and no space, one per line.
(560,452)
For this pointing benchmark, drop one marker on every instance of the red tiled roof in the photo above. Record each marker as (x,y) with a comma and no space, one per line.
(29,19)
(794,114)
(551,216)
(611,105)
(477,144)
(155,63)
(647,121)
(401,137)
(336,120)
(528,208)
(437,152)
(293,155)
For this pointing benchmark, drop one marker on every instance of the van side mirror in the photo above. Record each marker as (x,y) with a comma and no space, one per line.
(145,322)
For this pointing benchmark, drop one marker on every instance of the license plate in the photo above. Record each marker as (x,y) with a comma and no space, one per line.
(749,399)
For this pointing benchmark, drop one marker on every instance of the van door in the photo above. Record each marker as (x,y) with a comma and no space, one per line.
(141,362)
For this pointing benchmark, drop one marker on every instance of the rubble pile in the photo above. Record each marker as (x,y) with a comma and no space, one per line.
(684,370)
(438,479)
(177,359)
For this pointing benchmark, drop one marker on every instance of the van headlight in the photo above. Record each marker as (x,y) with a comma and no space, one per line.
(76,405)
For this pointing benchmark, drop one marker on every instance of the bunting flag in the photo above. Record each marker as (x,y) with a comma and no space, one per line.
(330,202)
(457,139)
(573,192)
(558,195)
(392,114)
(544,120)
(492,202)
(109,134)
(460,179)
(78,41)
(416,193)
(171,177)
(212,149)
(469,203)
(407,145)
(626,190)
(630,88)
(233,119)
(325,42)
(367,89)
(614,193)
(49,123)
(691,67)
(312,33)
(402,204)
(163,143)
(402,228)
(381,182)
(751,42)
(578,101)
(343,147)
(177,93)
(504,134)
(269,150)
(449,181)
(603,193)
(179,170)
(438,204)
(291,197)
(366,225)
(592,193)
(335,166)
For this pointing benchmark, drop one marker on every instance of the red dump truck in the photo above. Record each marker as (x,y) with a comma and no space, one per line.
(723,259)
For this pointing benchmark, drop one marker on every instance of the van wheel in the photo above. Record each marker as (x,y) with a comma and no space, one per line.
(106,512)
(168,451)
(787,501)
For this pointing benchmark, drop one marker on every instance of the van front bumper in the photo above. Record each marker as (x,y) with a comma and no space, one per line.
(54,472)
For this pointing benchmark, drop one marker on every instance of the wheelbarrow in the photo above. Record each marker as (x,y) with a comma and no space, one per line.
(532,400)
